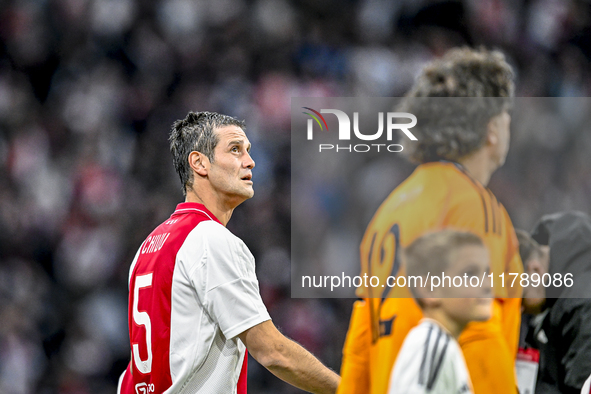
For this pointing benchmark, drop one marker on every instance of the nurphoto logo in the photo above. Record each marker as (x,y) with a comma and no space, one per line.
(344,132)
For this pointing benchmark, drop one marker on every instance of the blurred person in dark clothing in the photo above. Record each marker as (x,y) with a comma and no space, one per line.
(559,246)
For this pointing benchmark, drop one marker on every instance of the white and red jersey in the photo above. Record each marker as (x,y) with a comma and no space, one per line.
(192,290)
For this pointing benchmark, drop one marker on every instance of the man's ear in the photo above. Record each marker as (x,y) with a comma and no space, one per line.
(492,131)
(496,126)
(199,163)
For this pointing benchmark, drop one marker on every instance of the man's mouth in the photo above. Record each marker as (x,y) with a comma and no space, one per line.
(247,177)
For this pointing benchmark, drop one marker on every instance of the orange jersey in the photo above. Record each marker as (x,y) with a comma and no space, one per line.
(436,196)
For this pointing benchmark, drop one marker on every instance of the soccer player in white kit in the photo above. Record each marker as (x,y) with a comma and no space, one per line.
(194,302)
(430,360)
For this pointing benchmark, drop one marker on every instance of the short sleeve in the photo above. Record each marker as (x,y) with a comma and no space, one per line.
(226,282)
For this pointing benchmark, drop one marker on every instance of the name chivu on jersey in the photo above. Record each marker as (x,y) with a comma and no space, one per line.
(192,290)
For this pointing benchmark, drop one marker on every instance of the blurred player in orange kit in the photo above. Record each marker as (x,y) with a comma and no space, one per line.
(461,142)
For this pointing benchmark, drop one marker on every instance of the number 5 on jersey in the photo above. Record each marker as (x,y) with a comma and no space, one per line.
(142,319)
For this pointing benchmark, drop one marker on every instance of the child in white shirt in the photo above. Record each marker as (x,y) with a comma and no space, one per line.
(431,360)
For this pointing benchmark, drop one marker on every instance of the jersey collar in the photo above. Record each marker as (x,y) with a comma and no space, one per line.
(194,207)
(463,170)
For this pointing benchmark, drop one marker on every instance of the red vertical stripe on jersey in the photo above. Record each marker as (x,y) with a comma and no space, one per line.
(158,256)
(241,386)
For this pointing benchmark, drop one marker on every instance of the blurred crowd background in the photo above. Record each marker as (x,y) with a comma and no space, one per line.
(90,88)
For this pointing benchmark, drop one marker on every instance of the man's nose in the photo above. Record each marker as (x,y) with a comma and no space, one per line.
(249,163)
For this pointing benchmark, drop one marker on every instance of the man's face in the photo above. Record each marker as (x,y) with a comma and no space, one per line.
(501,124)
(469,303)
(230,173)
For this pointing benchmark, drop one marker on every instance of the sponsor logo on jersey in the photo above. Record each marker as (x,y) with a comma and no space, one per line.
(144,388)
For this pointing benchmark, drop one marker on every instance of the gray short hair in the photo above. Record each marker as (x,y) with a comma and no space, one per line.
(196,133)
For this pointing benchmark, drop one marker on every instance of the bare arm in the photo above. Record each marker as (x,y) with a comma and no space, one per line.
(287,360)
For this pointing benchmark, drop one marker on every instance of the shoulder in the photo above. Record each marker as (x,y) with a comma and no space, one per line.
(429,335)
(422,359)
(426,199)
(214,228)
(434,346)
(433,184)
(426,341)
(504,213)
(445,173)
(213,233)
(211,239)
(217,242)
(422,188)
